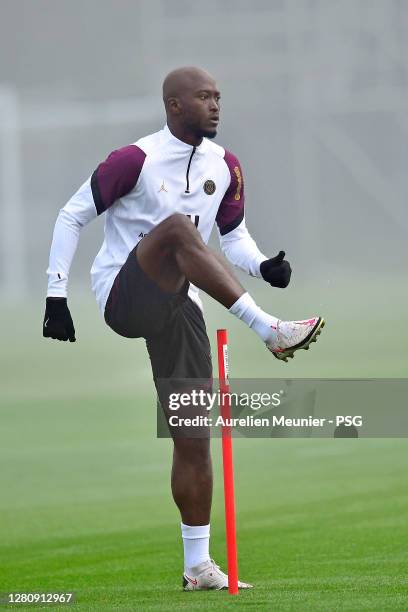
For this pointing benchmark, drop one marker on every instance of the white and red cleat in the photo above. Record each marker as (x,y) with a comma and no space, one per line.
(208,576)
(294,335)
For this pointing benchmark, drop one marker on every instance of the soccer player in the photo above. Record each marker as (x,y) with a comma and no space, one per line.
(162,196)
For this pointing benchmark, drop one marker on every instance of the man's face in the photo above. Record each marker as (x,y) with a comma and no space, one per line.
(200,108)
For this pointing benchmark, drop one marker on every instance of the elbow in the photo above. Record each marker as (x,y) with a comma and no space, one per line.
(69,219)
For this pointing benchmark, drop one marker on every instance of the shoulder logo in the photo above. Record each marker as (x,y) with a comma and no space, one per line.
(209,187)
(162,188)
(239,183)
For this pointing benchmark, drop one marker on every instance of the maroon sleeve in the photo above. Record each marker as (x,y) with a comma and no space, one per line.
(116,176)
(231,209)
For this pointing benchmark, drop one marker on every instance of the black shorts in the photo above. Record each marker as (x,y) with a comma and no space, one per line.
(172,324)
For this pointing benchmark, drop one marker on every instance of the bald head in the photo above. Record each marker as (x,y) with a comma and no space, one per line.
(183,80)
(191,99)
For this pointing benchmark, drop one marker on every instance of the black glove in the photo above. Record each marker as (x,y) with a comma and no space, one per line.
(58,322)
(276,271)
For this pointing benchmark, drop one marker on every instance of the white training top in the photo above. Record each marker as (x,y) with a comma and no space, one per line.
(139,186)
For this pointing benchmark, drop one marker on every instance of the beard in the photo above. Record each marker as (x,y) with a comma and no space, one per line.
(194,124)
(210,133)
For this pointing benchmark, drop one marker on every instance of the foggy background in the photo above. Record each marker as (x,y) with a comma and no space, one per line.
(314,104)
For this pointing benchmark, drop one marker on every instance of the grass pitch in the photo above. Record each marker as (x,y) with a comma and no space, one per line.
(85,495)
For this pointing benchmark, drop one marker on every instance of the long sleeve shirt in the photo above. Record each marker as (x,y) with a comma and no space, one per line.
(140,185)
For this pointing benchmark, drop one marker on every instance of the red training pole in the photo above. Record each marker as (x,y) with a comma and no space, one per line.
(222,343)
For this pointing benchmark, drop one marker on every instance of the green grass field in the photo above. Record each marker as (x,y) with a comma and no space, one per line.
(85,496)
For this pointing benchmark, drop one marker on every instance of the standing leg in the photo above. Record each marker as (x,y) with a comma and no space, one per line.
(192,479)
(182,351)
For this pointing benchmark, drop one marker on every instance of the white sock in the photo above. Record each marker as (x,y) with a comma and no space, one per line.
(196,541)
(261,322)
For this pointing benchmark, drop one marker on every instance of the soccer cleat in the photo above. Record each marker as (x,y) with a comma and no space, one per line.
(294,335)
(208,576)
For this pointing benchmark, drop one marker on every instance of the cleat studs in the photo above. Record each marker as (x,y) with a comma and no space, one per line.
(307,348)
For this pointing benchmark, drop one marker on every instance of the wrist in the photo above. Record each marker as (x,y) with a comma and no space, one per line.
(262,268)
(55,305)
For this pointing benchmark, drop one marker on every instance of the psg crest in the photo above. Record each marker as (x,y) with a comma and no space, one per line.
(209,187)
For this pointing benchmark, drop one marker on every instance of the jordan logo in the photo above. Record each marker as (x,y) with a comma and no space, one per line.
(162,188)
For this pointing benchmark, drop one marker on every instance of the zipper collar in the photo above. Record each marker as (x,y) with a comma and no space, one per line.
(178,146)
(188,170)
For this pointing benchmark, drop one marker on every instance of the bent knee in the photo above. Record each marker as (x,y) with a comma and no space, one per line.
(178,227)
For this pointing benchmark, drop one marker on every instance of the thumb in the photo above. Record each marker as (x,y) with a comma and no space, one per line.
(279,257)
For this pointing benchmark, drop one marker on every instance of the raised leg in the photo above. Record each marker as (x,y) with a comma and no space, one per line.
(174,251)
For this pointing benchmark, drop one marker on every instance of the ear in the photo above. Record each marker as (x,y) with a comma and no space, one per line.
(174,106)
